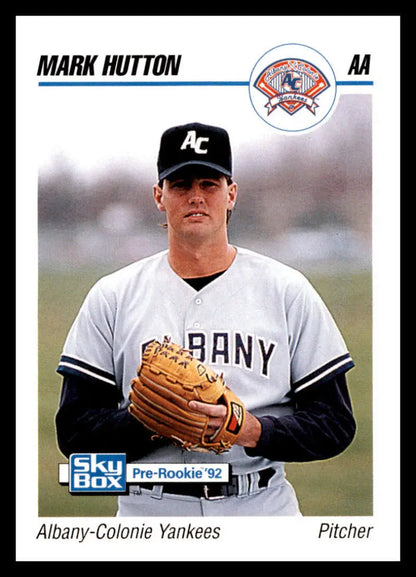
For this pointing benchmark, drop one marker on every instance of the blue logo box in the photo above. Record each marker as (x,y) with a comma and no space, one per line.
(97,473)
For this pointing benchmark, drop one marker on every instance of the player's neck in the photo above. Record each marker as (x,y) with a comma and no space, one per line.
(189,262)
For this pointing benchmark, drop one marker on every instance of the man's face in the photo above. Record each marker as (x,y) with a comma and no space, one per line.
(196,202)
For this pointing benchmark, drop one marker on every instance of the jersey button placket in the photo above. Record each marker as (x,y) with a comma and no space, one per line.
(198,302)
(193,316)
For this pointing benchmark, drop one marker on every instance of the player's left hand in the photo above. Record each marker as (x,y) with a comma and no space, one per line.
(251,430)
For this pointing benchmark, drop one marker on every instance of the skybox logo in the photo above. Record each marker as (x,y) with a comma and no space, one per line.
(292,87)
(97,472)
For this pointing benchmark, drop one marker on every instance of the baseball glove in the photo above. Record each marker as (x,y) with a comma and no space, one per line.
(167,379)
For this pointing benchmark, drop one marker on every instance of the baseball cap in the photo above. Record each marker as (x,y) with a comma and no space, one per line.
(194,144)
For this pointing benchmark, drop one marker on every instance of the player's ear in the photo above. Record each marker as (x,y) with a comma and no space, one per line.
(158,197)
(232,195)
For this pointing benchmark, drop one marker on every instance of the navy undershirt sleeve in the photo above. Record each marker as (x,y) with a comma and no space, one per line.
(89,420)
(321,426)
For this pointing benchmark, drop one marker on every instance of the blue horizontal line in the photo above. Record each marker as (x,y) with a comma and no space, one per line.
(355,83)
(180,83)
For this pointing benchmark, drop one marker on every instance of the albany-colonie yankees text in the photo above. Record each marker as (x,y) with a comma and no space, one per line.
(103,531)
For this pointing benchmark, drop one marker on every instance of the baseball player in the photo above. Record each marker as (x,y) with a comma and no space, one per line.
(252,318)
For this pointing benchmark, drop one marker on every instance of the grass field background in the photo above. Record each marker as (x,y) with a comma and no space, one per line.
(341,486)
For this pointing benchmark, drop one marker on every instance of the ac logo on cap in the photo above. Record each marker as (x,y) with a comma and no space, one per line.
(193,142)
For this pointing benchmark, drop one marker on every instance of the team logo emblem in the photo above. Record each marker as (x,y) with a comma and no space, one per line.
(291,84)
(290,80)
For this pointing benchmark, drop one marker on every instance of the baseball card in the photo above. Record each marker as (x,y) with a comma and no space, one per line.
(208,288)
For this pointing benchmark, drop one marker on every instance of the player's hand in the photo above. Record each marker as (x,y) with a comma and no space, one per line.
(250,433)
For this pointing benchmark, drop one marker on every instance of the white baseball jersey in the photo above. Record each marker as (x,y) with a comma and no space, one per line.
(260,323)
